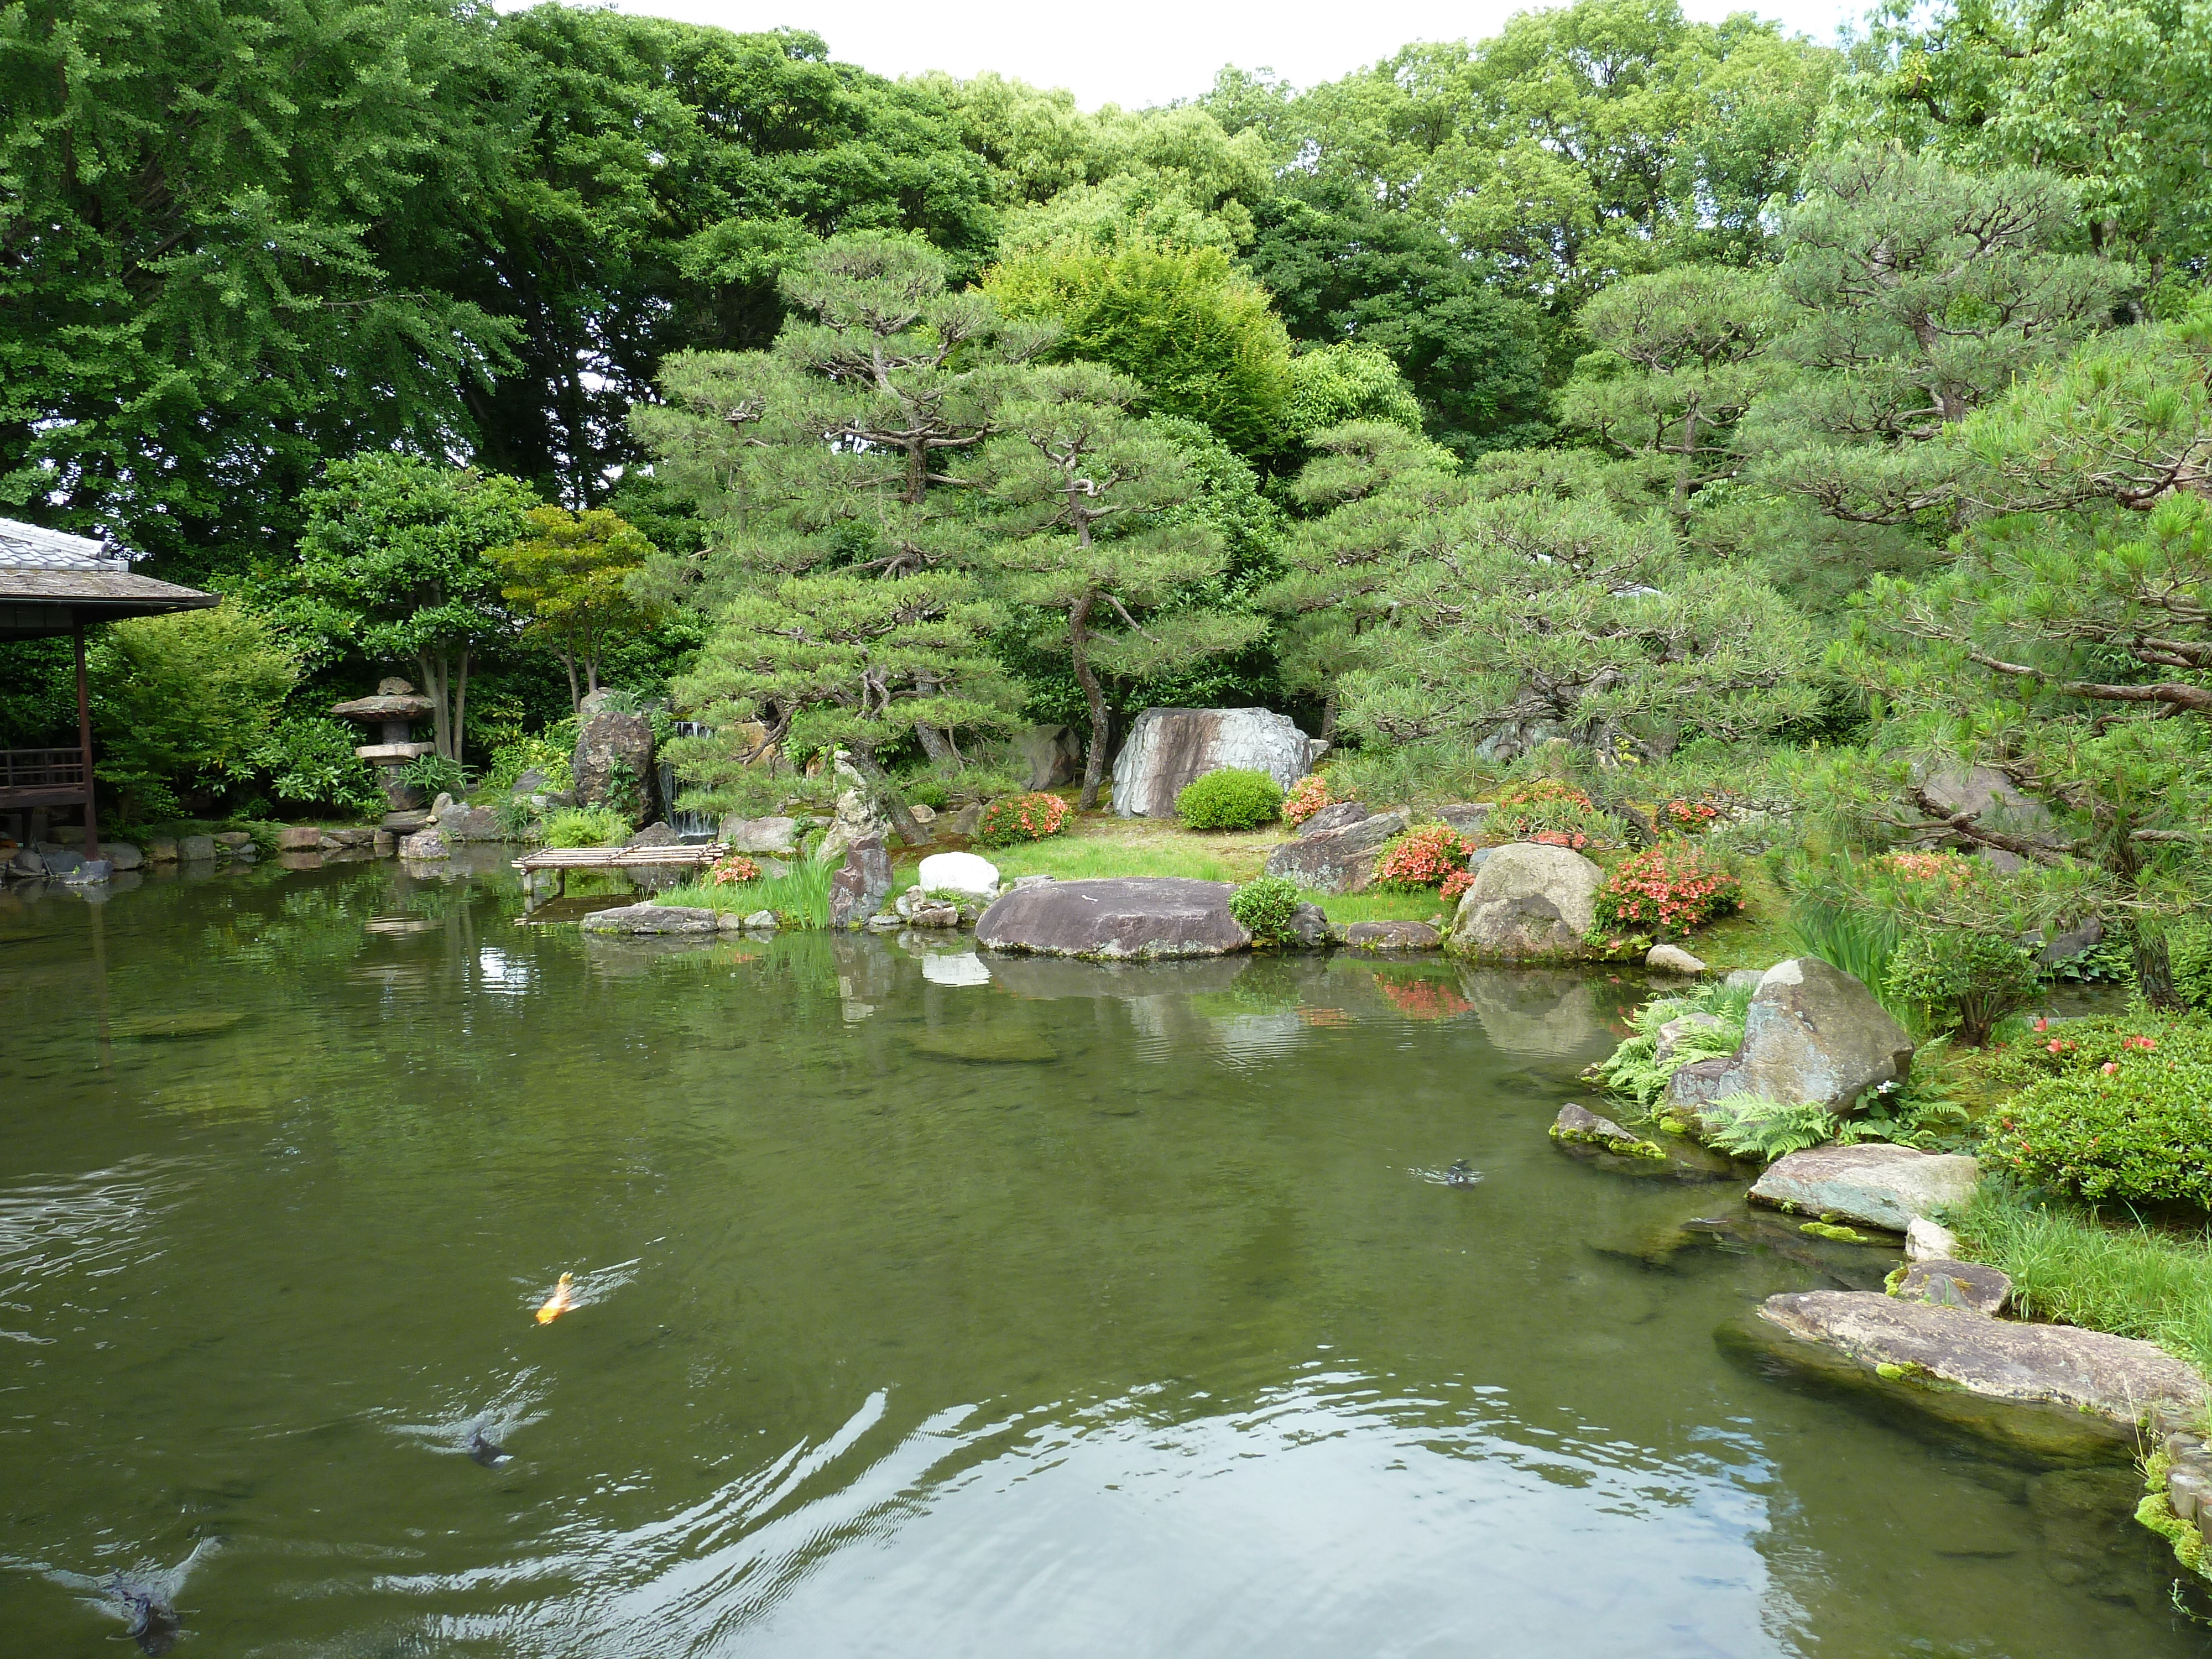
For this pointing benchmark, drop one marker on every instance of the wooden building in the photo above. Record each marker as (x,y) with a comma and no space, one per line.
(53,584)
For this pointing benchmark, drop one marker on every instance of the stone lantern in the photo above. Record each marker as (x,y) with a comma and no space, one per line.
(396,707)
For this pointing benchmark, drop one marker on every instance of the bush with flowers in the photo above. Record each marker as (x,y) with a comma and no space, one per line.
(1547,810)
(731,869)
(2122,1112)
(1307,797)
(1018,818)
(1920,868)
(1665,891)
(1429,856)
(1688,818)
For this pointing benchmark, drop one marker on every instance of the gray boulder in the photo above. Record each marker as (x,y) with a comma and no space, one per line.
(964,822)
(27,863)
(1881,1185)
(655,835)
(1813,1033)
(1128,917)
(652,919)
(613,764)
(771,835)
(1307,929)
(2091,1372)
(162,849)
(1168,748)
(1671,1034)
(1994,799)
(1529,901)
(299,838)
(460,822)
(1672,959)
(1743,979)
(234,842)
(1392,936)
(60,860)
(425,844)
(1341,860)
(862,882)
(122,854)
(1468,817)
(1335,815)
(1051,756)
(1945,1284)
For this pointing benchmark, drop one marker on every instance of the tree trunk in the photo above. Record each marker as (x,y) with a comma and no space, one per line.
(933,743)
(1329,718)
(888,797)
(2155,967)
(460,704)
(433,670)
(575,697)
(1094,762)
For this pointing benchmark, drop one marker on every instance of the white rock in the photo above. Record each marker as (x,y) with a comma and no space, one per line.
(1931,1241)
(958,873)
(1672,959)
(1167,748)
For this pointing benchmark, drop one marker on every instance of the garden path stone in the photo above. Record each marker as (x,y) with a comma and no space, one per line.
(1125,917)
(1169,748)
(2114,1378)
(1811,1034)
(1529,901)
(1341,860)
(1881,1185)
(1967,1284)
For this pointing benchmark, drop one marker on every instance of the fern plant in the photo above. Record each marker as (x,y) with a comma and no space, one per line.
(1635,1071)
(1747,1126)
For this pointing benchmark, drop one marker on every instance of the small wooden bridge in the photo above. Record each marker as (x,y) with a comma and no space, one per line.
(563,860)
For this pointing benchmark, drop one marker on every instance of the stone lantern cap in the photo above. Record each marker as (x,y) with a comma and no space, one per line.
(383,707)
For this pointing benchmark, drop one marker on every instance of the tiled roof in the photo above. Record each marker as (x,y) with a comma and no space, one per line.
(34,547)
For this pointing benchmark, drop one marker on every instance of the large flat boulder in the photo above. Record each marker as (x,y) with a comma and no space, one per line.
(1813,1033)
(1340,860)
(1167,748)
(1529,901)
(770,834)
(652,919)
(2091,1372)
(1335,815)
(1879,1184)
(460,823)
(1128,917)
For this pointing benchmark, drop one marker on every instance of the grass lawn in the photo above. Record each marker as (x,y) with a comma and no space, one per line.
(1757,936)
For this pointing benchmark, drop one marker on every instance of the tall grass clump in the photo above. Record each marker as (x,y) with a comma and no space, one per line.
(1861,943)
(2076,1268)
(587,826)
(800,898)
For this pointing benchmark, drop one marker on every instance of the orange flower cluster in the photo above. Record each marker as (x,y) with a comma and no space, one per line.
(731,869)
(1307,797)
(1953,869)
(1691,815)
(1426,857)
(1021,818)
(1666,889)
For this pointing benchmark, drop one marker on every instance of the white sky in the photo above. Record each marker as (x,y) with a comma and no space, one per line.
(1135,52)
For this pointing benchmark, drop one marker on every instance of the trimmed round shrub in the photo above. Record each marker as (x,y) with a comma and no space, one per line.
(1234,798)
(1427,857)
(1961,980)
(1665,889)
(2134,1126)
(1264,907)
(1021,818)
(1547,809)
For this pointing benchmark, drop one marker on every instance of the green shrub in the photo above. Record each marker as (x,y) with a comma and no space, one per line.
(928,792)
(1234,798)
(2128,1119)
(1021,818)
(587,826)
(435,774)
(1961,980)
(310,762)
(1264,907)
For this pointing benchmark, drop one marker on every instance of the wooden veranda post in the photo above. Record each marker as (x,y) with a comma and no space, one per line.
(84,739)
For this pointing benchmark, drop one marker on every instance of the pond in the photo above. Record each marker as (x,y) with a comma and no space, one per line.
(924,1306)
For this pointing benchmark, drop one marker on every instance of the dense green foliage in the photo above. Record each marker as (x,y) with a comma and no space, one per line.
(2125,1115)
(1265,907)
(1232,798)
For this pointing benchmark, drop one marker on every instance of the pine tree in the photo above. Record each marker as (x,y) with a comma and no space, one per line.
(1080,487)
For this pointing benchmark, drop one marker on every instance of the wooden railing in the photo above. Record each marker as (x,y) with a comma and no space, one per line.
(41,768)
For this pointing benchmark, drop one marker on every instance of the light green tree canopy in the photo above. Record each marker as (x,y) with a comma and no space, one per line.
(571,576)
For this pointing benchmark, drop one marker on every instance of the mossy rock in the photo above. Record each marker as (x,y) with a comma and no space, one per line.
(982,1046)
(163,1028)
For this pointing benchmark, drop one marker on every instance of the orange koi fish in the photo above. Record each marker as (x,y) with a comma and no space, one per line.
(560,1302)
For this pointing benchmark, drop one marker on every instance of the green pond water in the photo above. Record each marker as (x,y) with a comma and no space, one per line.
(926,1306)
